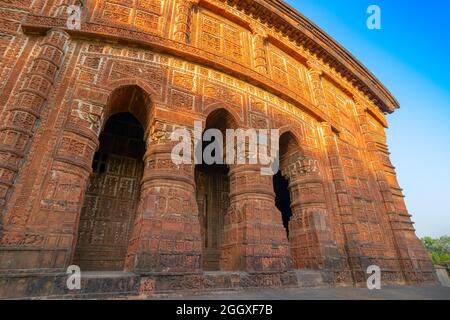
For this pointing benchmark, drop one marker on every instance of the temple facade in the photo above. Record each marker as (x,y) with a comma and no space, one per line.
(87,179)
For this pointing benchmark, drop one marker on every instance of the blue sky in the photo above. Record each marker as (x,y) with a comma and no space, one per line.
(410,55)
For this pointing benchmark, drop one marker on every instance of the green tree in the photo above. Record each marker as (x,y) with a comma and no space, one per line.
(438,249)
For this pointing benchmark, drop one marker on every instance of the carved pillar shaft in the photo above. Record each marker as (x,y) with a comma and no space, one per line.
(316,82)
(254,237)
(183,15)
(310,233)
(23,112)
(166,236)
(49,228)
(260,52)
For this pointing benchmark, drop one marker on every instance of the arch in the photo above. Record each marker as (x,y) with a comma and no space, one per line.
(110,200)
(289,152)
(217,107)
(130,98)
(290,129)
(300,180)
(288,145)
(115,84)
(303,149)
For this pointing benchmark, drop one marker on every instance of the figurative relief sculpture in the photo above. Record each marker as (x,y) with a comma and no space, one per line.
(86,173)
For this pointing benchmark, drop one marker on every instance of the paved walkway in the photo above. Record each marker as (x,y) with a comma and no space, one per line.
(387,293)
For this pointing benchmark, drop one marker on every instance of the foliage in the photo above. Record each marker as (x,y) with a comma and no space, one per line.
(438,249)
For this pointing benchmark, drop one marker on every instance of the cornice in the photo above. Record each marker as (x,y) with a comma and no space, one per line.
(311,43)
(289,22)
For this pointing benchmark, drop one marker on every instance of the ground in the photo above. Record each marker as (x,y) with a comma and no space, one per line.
(387,293)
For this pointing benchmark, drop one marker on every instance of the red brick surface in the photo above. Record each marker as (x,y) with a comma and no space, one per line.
(184,60)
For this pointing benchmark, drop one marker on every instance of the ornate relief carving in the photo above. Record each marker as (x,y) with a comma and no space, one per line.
(182,101)
(63,192)
(184,80)
(258,105)
(211,68)
(21,115)
(213,92)
(183,17)
(260,38)
(316,82)
(87,116)
(160,132)
(286,70)
(223,37)
(301,167)
(153,74)
(20,239)
(144,15)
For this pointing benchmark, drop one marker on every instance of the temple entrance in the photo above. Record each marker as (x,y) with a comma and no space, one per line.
(108,213)
(289,152)
(283,199)
(213,195)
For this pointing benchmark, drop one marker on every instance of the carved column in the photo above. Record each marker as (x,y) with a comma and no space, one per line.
(183,16)
(316,81)
(254,237)
(414,260)
(23,112)
(260,50)
(310,232)
(46,233)
(166,237)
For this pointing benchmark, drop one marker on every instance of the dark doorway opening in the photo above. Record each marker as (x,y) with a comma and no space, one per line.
(213,193)
(109,208)
(282,198)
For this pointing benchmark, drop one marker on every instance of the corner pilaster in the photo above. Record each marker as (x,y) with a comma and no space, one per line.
(260,40)
(183,19)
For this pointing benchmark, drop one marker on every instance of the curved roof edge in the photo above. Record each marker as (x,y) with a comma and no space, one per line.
(303,31)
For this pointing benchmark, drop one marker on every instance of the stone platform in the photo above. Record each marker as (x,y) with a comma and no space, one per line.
(121,284)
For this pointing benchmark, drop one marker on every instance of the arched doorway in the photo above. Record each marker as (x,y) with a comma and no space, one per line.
(110,202)
(212,191)
(283,198)
(289,152)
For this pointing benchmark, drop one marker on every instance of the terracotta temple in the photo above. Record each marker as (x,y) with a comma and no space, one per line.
(86,176)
